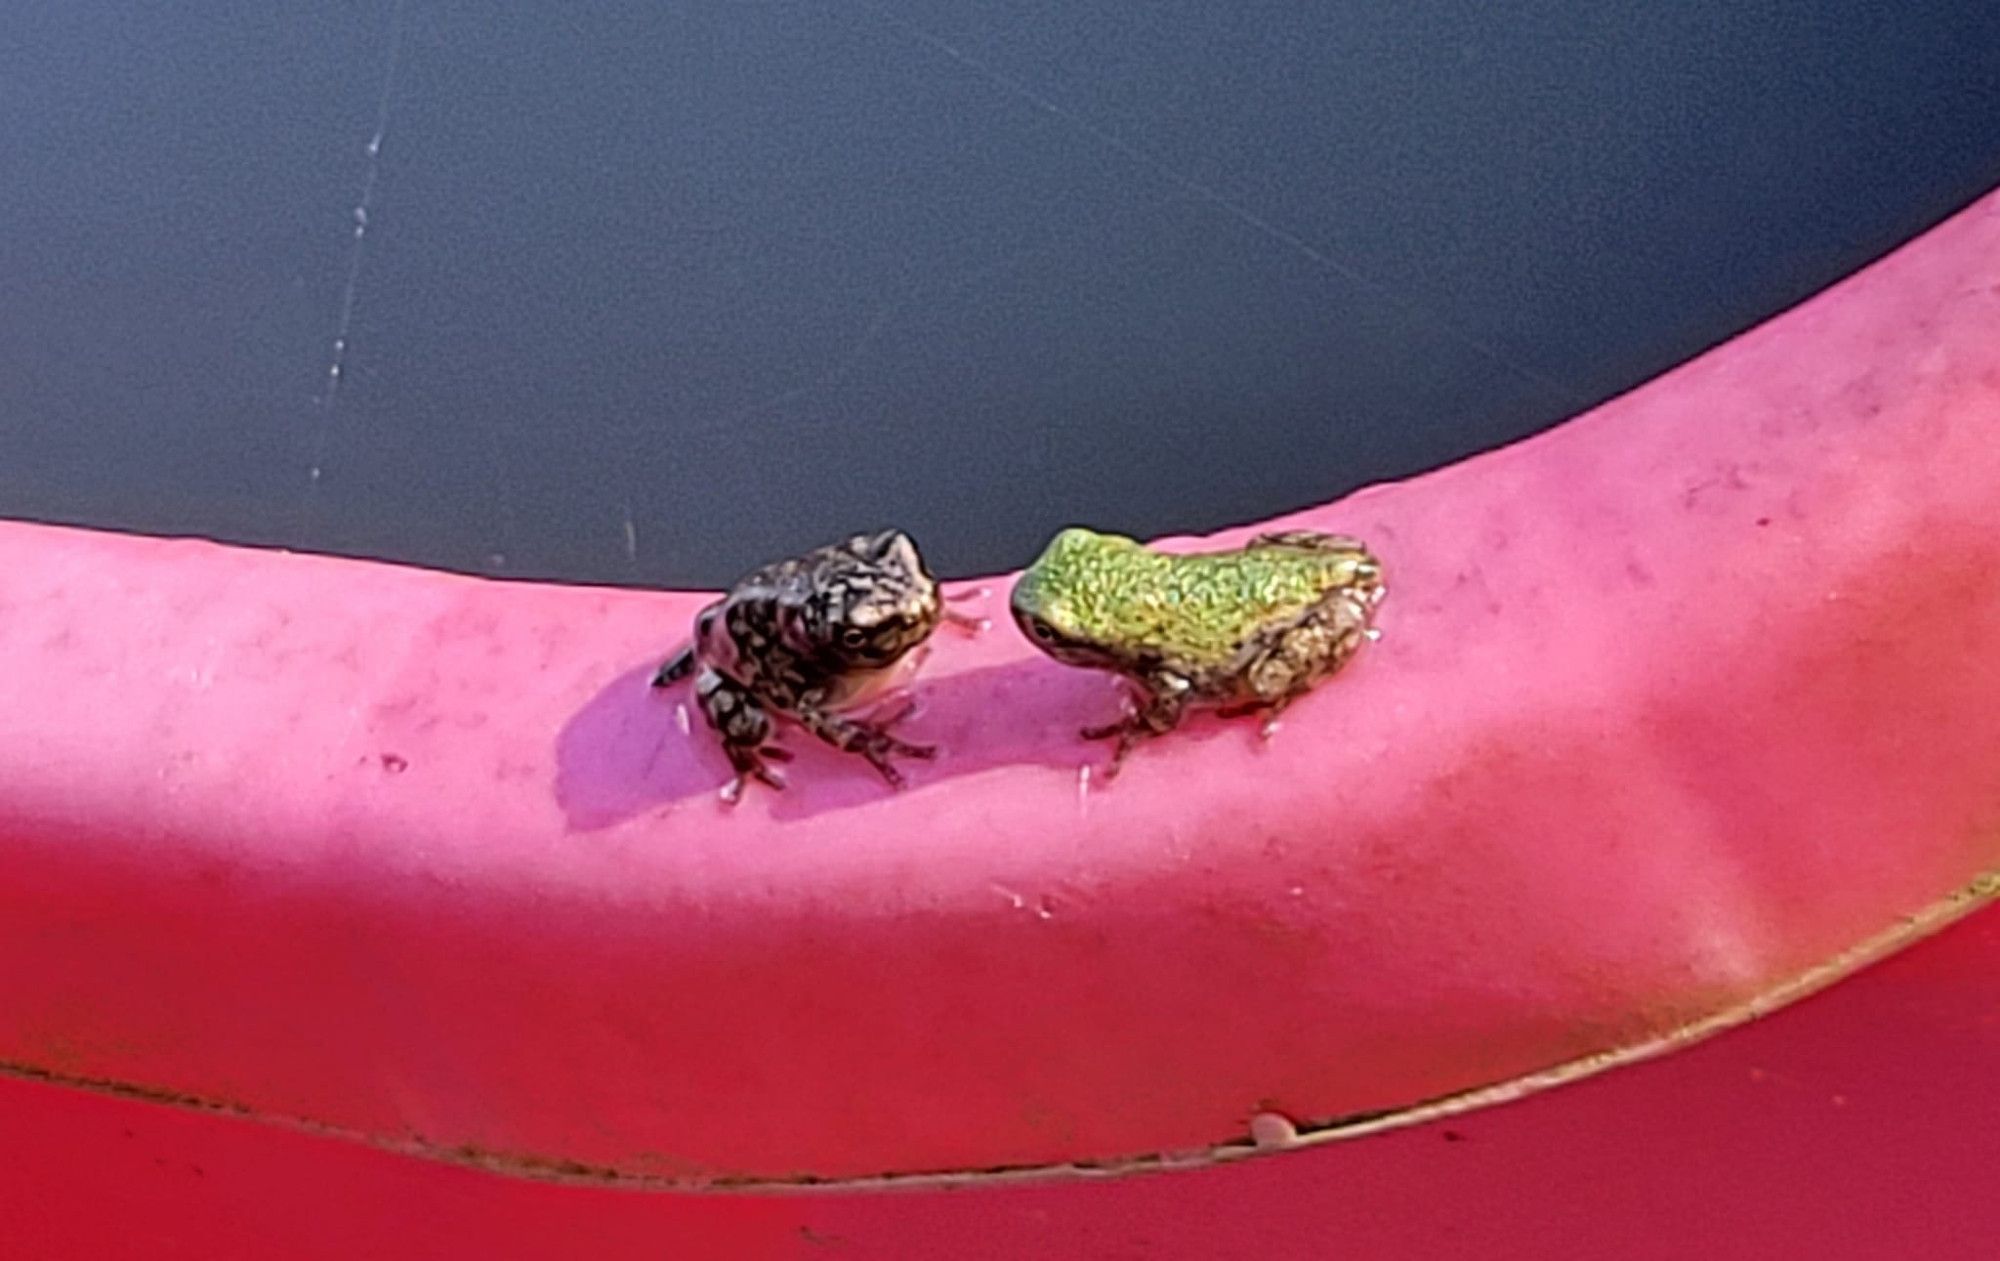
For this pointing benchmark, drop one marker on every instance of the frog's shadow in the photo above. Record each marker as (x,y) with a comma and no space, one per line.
(633,748)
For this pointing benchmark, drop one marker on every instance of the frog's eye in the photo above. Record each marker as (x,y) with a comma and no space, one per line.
(853,637)
(1042,631)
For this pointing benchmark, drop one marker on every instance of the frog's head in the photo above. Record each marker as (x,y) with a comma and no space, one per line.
(876,609)
(1065,602)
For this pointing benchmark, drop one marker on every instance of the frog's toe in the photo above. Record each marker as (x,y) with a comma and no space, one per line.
(762,770)
(890,775)
(754,763)
(879,757)
(763,775)
(1116,764)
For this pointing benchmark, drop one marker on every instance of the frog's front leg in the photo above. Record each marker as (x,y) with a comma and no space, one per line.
(745,729)
(1159,702)
(870,737)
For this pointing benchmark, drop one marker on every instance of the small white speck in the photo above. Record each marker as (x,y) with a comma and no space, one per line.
(375,145)
(681,718)
(1270,1130)
(1372,634)
(1082,783)
(1297,890)
(1270,728)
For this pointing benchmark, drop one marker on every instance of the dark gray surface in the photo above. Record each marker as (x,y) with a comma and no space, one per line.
(650,291)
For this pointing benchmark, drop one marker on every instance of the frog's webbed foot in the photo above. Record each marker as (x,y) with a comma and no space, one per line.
(869,737)
(1130,730)
(1156,711)
(753,763)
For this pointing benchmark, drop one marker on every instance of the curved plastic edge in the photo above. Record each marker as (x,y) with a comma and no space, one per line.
(1675,704)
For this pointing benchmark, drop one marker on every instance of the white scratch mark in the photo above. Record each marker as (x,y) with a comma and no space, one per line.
(1229,206)
(858,350)
(336,369)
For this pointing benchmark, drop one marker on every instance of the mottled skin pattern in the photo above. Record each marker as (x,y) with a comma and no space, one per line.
(806,638)
(1243,631)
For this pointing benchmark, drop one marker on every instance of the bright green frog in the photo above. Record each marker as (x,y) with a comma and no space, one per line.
(1243,631)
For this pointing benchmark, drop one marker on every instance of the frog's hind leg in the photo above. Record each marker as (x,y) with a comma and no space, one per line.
(745,730)
(1290,662)
(682,663)
(1311,540)
(678,667)
(869,737)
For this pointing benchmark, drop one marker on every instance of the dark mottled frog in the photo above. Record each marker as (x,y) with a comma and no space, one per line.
(810,639)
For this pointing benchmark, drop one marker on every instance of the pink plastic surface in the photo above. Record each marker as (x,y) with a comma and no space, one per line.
(1675,704)
(1859,1125)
